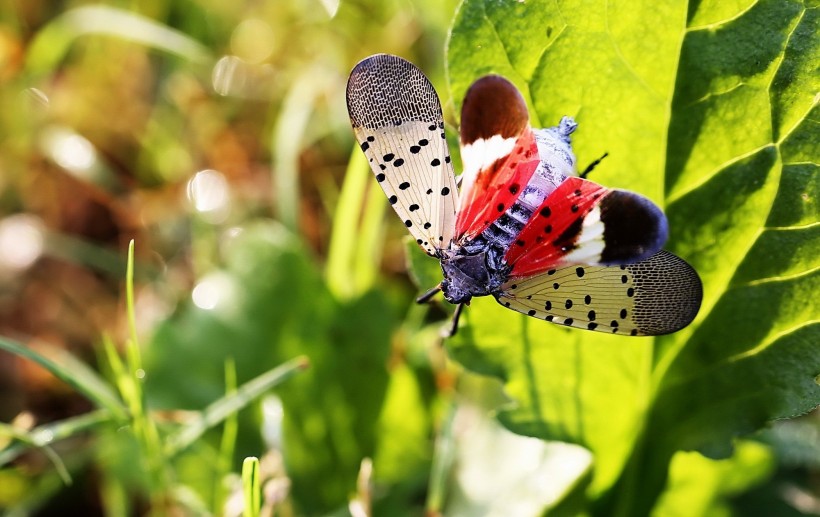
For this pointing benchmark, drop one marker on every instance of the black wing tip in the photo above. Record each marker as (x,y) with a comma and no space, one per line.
(361,80)
(385,89)
(376,61)
(635,228)
(668,293)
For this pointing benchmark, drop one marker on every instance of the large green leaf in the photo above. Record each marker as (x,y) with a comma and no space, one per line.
(709,109)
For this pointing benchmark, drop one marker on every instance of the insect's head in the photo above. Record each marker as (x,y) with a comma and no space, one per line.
(454,292)
(466,275)
(566,127)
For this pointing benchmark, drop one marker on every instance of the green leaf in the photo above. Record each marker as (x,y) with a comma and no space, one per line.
(709,109)
(565,383)
(700,484)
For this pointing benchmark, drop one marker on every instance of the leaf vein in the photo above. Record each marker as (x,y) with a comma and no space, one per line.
(765,344)
(773,279)
(626,63)
(715,25)
(707,177)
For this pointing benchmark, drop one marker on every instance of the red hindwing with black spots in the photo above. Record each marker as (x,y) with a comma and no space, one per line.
(558,227)
(496,187)
(498,150)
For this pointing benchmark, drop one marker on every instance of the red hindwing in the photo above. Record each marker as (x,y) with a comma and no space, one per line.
(558,227)
(498,150)
(497,187)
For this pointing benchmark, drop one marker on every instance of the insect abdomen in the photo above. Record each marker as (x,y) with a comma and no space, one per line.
(503,231)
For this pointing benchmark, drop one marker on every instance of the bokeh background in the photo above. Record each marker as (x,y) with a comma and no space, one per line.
(215,135)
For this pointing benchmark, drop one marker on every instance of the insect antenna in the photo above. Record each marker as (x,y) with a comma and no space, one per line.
(592,166)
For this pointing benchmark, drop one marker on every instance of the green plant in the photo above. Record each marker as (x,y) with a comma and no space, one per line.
(122,422)
(708,108)
(710,111)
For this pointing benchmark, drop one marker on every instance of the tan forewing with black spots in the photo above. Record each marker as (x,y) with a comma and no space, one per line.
(656,296)
(397,120)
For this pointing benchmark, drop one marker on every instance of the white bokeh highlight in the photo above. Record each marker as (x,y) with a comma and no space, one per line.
(21,242)
(71,151)
(215,292)
(209,194)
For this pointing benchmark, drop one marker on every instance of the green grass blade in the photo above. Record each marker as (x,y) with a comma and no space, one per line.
(231,403)
(44,435)
(251,487)
(144,427)
(114,363)
(342,250)
(229,433)
(443,459)
(73,372)
(369,244)
(129,304)
(288,142)
(54,40)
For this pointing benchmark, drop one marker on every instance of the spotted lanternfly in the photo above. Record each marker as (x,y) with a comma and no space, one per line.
(524,227)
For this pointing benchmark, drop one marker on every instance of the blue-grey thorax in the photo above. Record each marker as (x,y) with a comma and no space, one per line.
(475,265)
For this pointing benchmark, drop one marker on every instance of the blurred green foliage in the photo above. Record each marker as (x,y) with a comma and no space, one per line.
(215,135)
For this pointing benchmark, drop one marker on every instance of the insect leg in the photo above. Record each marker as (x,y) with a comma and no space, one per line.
(428,295)
(454,324)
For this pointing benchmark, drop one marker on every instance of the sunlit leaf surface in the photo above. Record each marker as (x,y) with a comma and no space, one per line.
(709,110)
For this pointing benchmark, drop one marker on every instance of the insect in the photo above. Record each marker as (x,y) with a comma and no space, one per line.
(524,227)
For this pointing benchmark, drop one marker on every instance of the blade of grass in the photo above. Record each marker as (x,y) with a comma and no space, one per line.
(342,250)
(53,41)
(229,433)
(222,408)
(369,244)
(251,487)
(443,458)
(73,372)
(114,363)
(128,377)
(288,141)
(114,497)
(44,435)
(129,304)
